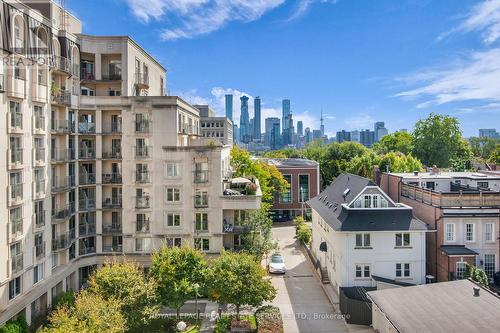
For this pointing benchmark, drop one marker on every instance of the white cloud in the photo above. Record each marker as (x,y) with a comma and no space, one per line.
(190,18)
(303,6)
(474,79)
(359,122)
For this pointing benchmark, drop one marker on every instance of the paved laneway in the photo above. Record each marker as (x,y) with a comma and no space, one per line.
(303,303)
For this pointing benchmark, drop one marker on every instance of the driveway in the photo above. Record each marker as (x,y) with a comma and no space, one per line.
(301,299)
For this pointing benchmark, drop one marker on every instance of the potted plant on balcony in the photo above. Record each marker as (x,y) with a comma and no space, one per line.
(251,189)
(54,89)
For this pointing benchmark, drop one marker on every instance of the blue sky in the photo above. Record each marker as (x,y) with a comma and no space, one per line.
(358,61)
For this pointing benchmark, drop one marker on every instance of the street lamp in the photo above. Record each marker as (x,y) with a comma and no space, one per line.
(196,288)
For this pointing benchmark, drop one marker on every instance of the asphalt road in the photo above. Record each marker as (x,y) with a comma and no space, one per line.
(301,299)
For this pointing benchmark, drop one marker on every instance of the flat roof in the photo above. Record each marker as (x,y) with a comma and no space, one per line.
(445,175)
(291,162)
(439,307)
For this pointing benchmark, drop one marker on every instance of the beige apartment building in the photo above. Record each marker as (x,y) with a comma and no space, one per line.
(98,162)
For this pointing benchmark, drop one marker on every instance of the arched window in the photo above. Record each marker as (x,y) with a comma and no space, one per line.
(18,33)
(41,40)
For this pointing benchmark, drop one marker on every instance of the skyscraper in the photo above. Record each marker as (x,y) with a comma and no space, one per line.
(256,119)
(367,137)
(308,135)
(379,130)
(300,128)
(229,107)
(244,121)
(488,133)
(285,106)
(272,135)
(343,136)
(322,127)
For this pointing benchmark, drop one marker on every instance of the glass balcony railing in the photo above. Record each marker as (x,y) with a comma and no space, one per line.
(86,128)
(111,178)
(142,226)
(87,179)
(112,154)
(62,213)
(16,263)
(112,248)
(113,228)
(112,128)
(86,250)
(16,156)
(86,153)
(62,126)
(142,177)
(86,204)
(112,203)
(61,97)
(143,152)
(86,229)
(143,202)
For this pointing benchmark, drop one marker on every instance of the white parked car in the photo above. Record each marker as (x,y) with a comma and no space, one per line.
(276,264)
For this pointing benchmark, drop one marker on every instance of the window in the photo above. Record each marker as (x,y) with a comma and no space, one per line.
(488,232)
(362,271)
(201,222)
(469,232)
(403,270)
(402,239)
(173,241)
(173,194)
(202,244)
(172,170)
(489,265)
(303,188)
(38,273)
(449,233)
(143,244)
(286,197)
(460,269)
(16,117)
(371,201)
(363,240)
(173,220)
(483,184)
(201,199)
(16,220)
(87,91)
(14,287)
(430,185)
(54,260)
(115,92)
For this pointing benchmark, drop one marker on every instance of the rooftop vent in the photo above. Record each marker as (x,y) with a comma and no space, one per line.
(346,192)
(476,291)
(415,173)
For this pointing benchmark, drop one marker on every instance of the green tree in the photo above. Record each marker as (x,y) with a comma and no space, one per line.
(438,140)
(177,271)
(462,161)
(476,274)
(257,238)
(495,155)
(125,281)
(18,325)
(91,313)
(402,142)
(483,147)
(397,162)
(236,278)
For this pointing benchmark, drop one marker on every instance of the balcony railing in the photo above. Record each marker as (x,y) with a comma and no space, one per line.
(143,126)
(61,155)
(39,154)
(64,212)
(62,126)
(60,184)
(142,226)
(86,204)
(143,201)
(112,128)
(201,177)
(112,77)
(200,201)
(115,228)
(63,241)
(111,178)
(143,152)
(86,230)
(142,80)
(16,192)
(112,248)
(61,64)
(39,219)
(86,250)
(40,251)
(113,154)
(16,122)
(16,227)
(86,128)
(87,178)
(39,123)
(16,263)
(112,203)
(61,97)
(230,227)
(87,75)
(15,156)
(86,153)
(142,177)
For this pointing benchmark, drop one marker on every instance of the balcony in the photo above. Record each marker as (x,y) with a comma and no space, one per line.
(63,241)
(61,64)
(201,177)
(86,128)
(15,158)
(142,226)
(39,219)
(142,80)
(62,126)
(86,250)
(63,213)
(40,251)
(16,263)
(142,177)
(15,194)
(86,153)
(111,178)
(39,155)
(87,229)
(200,202)
(112,248)
(143,126)
(61,155)
(86,204)
(112,77)
(143,202)
(231,227)
(112,203)
(39,92)
(240,198)
(61,97)
(16,86)
(61,184)
(87,179)
(114,154)
(15,228)
(456,199)
(143,152)
(113,228)
(87,75)
(112,128)
(39,123)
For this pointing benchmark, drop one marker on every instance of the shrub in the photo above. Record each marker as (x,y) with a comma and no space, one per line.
(222,324)
(18,325)
(269,320)
(67,298)
(298,222)
(304,234)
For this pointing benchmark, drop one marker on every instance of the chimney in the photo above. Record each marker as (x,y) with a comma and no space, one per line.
(476,291)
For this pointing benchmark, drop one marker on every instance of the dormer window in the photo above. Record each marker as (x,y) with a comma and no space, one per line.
(371,201)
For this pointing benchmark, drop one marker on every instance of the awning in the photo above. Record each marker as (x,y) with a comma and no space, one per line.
(240,180)
(457,250)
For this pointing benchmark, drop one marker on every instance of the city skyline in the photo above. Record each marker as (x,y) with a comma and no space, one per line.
(397,74)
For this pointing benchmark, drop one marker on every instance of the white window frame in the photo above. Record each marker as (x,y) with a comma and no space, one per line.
(174,166)
(174,190)
(491,237)
(403,269)
(362,268)
(201,245)
(16,282)
(203,222)
(489,272)
(38,273)
(170,241)
(448,233)
(470,235)
(460,268)
(173,220)
(363,236)
(402,237)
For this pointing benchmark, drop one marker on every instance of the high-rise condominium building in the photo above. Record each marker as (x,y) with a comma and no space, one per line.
(229,107)
(257,119)
(489,133)
(300,128)
(380,130)
(245,134)
(286,110)
(96,160)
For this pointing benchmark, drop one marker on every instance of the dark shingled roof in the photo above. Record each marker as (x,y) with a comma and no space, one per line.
(328,204)
(457,250)
(391,281)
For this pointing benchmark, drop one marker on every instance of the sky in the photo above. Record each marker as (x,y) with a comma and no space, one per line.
(357,61)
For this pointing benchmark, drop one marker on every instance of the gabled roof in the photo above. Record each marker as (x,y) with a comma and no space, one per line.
(331,205)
